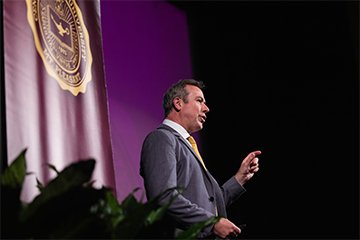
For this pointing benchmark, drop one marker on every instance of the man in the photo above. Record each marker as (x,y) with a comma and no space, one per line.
(169,162)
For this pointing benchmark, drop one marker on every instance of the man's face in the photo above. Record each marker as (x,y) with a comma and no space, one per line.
(193,112)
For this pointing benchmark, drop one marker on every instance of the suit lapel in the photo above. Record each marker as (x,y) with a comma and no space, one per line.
(187,144)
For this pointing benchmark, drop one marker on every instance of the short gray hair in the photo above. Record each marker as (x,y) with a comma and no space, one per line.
(178,90)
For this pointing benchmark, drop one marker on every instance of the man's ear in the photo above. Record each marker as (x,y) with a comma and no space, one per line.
(177,103)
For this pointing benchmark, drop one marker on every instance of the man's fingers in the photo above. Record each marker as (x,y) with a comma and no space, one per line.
(234,233)
(224,228)
(258,152)
(254,170)
(237,230)
(252,155)
(254,162)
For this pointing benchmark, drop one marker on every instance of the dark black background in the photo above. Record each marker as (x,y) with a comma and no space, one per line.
(283,77)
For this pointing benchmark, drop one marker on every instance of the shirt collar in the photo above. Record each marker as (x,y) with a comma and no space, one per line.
(177,127)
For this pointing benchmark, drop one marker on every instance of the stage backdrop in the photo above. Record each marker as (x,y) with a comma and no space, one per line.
(146,48)
(56,98)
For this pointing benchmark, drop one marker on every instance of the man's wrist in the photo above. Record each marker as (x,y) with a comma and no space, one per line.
(239,179)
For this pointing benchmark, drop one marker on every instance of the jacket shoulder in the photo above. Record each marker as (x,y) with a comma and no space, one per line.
(162,131)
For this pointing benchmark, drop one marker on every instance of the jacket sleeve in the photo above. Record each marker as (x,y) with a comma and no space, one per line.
(232,190)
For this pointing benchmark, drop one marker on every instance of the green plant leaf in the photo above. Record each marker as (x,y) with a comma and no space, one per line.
(11,184)
(139,217)
(109,210)
(195,229)
(68,216)
(130,203)
(51,166)
(74,175)
(39,185)
(14,175)
(157,212)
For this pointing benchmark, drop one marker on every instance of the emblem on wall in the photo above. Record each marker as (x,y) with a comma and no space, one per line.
(62,41)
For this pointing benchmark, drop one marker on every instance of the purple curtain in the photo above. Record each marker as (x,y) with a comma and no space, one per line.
(55,91)
(146,48)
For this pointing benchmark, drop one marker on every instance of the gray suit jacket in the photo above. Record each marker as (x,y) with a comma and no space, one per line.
(168,161)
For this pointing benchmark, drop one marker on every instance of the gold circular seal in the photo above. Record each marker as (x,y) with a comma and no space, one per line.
(62,41)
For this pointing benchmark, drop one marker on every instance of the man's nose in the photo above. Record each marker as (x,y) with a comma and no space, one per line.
(206,108)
